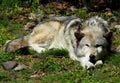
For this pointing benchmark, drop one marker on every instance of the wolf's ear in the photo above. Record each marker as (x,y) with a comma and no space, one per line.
(79,35)
(109,34)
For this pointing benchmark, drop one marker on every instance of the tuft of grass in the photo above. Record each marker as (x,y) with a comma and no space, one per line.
(4,76)
(56,65)
(66,77)
(6,56)
(114,59)
(10,29)
(116,40)
(56,52)
(81,13)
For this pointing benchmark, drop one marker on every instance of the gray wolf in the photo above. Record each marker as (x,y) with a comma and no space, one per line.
(86,41)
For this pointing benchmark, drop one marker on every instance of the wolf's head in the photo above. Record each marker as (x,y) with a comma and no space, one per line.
(93,47)
(93,39)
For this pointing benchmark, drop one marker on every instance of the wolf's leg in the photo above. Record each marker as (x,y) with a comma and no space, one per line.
(37,48)
(72,55)
(85,63)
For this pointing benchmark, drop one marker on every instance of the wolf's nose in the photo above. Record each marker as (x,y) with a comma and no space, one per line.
(92,57)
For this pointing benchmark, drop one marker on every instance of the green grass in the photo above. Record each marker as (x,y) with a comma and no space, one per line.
(54,65)
(117,38)
(56,52)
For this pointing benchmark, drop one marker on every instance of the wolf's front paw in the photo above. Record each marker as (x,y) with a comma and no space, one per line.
(99,62)
(88,65)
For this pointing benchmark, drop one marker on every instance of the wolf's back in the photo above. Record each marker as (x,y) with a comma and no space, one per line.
(65,23)
(14,45)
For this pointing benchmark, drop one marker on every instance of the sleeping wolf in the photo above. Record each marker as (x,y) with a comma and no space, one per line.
(86,41)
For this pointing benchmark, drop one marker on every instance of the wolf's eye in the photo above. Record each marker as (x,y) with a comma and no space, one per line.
(87,45)
(98,45)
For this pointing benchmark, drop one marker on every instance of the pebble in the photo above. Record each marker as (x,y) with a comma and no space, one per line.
(20,67)
(9,65)
(117,26)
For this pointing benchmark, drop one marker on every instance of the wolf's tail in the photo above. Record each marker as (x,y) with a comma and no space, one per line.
(14,45)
